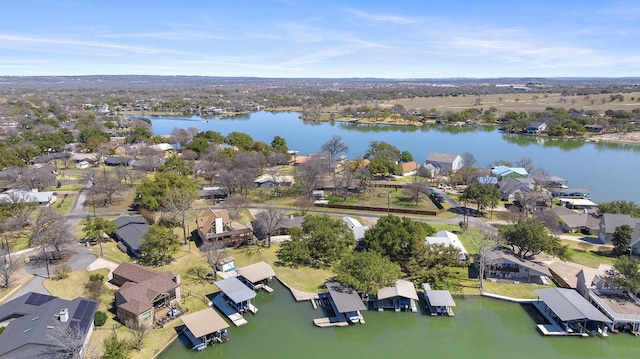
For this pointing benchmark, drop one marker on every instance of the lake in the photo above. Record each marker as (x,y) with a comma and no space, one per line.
(609,171)
(481,328)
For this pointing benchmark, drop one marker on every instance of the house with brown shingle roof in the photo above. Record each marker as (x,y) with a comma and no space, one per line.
(409,168)
(144,294)
(215,225)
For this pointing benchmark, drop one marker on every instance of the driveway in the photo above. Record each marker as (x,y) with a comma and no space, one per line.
(78,258)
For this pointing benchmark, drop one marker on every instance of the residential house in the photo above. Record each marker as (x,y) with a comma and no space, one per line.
(448,239)
(82,165)
(215,225)
(488,180)
(35,324)
(445,161)
(45,198)
(501,263)
(610,221)
(536,127)
(635,240)
(503,172)
(285,224)
(48,157)
(215,193)
(576,222)
(580,204)
(118,161)
(356,227)
(428,170)
(267,181)
(129,232)
(402,296)
(162,147)
(509,186)
(145,295)
(409,168)
(532,201)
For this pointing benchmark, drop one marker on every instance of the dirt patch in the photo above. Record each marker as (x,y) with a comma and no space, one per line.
(622,137)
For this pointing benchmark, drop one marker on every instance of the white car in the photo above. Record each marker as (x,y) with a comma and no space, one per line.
(444,186)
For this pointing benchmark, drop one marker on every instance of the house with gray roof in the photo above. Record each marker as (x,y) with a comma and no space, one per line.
(610,221)
(36,326)
(130,231)
(345,301)
(260,225)
(448,239)
(501,263)
(509,186)
(44,198)
(440,302)
(445,161)
(576,222)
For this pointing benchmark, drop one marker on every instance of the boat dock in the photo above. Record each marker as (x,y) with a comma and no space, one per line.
(552,328)
(236,318)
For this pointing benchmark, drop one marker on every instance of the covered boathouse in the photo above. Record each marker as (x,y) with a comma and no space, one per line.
(204,328)
(402,296)
(568,313)
(234,299)
(439,302)
(344,303)
(257,275)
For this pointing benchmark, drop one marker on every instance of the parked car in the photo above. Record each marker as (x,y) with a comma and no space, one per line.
(444,186)
(440,198)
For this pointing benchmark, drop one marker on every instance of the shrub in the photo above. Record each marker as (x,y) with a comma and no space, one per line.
(100,318)
(61,272)
(97,277)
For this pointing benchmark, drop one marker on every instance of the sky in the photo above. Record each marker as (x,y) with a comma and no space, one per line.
(322,39)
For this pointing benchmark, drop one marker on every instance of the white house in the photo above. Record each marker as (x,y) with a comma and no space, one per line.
(447,238)
(357,227)
(445,161)
(42,198)
(82,165)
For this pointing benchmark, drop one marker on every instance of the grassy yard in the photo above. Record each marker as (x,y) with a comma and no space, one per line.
(121,205)
(303,278)
(64,204)
(521,290)
(111,252)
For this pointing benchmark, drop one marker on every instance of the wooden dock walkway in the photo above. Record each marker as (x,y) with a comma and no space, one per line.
(236,318)
(327,322)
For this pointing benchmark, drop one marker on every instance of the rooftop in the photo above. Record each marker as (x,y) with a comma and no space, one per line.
(256,272)
(345,299)
(237,291)
(204,322)
(569,305)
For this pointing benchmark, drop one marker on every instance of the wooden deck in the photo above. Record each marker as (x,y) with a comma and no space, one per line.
(327,322)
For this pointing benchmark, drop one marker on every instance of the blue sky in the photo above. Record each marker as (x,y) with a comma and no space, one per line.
(298,38)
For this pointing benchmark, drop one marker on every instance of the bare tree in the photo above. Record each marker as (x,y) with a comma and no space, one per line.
(128,175)
(35,178)
(235,204)
(304,204)
(69,341)
(181,136)
(268,222)
(139,332)
(106,188)
(415,189)
(50,229)
(483,241)
(8,268)
(540,176)
(214,252)
(334,146)
(550,220)
(308,174)
(179,201)
(526,163)
(468,159)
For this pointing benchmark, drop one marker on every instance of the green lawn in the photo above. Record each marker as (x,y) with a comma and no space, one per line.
(303,278)
(64,204)
(522,290)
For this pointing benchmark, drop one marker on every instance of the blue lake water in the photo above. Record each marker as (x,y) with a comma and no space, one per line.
(609,171)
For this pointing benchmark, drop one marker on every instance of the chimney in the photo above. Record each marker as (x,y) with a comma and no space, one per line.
(64,315)
(219,228)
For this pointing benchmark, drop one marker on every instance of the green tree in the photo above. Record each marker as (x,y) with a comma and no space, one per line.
(622,239)
(115,348)
(175,164)
(484,195)
(626,273)
(151,192)
(367,272)
(240,140)
(296,252)
(179,202)
(433,263)
(620,207)
(158,247)
(529,237)
(397,238)
(279,144)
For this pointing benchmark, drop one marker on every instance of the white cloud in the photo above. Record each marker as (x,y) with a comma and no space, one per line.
(395,19)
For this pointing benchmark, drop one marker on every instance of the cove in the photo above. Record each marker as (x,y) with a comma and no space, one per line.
(481,328)
(609,171)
